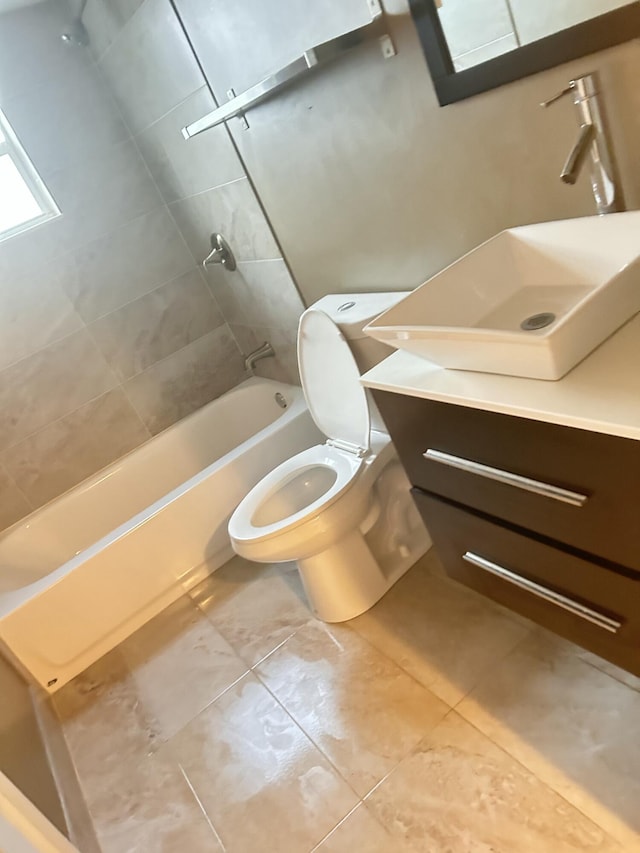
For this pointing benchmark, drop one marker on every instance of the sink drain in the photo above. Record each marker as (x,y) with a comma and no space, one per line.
(537,321)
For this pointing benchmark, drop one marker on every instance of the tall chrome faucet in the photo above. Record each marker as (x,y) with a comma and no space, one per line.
(592,144)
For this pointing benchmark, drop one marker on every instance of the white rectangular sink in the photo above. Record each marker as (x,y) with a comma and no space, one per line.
(532,301)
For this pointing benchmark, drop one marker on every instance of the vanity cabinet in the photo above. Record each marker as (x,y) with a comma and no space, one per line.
(540,517)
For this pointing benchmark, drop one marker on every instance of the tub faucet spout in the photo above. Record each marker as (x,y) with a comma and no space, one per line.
(265,350)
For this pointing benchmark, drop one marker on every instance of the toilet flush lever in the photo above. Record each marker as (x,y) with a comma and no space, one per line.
(220,254)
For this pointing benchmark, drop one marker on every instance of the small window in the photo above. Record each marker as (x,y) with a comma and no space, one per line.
(24,199)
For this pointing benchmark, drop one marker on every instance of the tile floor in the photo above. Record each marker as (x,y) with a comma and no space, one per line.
(435,723)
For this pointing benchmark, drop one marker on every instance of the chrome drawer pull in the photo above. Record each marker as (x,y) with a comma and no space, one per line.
(599,619)
(535,486)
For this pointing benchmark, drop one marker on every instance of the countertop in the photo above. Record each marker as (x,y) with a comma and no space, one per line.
(601,394)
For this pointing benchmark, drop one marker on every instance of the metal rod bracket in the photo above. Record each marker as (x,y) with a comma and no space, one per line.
(320,54)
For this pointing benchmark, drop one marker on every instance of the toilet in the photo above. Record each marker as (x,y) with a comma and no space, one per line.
(342,510)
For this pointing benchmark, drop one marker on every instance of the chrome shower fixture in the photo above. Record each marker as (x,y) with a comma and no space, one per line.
(77,34)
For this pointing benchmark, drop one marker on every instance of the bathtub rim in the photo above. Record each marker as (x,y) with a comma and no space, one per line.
(13,600)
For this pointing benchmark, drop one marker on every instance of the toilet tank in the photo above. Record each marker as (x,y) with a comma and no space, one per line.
(351,312)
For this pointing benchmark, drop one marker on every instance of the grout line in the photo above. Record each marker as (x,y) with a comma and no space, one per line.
(57,420)
(164,283)
(544,782)
(21,492)
(339,824)
(491,666)
(611,675)
(207,190)
(120,31)
(275,649)
(176,352)
(308,736)
(173,108)
(163,742)
(202,808)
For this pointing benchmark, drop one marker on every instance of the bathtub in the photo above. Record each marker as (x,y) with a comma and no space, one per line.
(84,572)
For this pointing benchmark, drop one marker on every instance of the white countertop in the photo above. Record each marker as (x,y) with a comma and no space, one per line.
(601,394)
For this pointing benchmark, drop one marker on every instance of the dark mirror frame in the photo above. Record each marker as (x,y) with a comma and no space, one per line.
(606,30)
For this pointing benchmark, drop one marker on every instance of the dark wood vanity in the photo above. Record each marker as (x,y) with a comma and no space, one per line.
(542,518)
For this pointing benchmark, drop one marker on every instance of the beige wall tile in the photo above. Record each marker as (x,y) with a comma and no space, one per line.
(13,504)
(272,296)
(365,726)
(95,197)
(34,26)
(141,333)
(114,244)
(459,791)
(79,114)
(100,195)
(124,264)
(283,367)
(49,384)
(104,19)
(233,211)
(185,381)
(151,66)
(67,451)
(34,312)
(183,168)
(260,779)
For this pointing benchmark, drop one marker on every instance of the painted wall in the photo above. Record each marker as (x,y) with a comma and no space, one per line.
(368,183)
(109,331)
(22,754)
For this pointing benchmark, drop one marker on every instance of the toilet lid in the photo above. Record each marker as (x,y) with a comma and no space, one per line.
(331,381)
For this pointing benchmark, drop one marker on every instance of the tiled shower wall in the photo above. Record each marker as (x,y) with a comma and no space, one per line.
(108,330)
(149,66)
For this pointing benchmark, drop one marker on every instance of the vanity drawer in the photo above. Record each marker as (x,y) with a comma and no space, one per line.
(584,602)
(577,487)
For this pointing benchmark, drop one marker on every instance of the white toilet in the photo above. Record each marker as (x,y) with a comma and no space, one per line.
(341,509)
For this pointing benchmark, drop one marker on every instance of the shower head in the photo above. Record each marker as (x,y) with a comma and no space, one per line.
(77,34)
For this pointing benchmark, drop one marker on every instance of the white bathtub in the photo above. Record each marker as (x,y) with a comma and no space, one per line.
(84,572)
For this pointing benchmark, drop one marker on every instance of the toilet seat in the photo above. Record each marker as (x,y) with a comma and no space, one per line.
(324,473)
(337,400)
(311,501)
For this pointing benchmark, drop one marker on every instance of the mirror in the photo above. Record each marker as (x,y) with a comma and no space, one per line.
(475,45)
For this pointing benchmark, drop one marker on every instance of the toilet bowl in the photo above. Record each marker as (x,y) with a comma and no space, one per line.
(342,510)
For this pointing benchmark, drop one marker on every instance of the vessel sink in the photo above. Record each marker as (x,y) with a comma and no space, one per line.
(533,301)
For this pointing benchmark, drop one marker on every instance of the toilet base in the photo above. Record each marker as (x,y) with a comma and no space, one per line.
(346,580)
